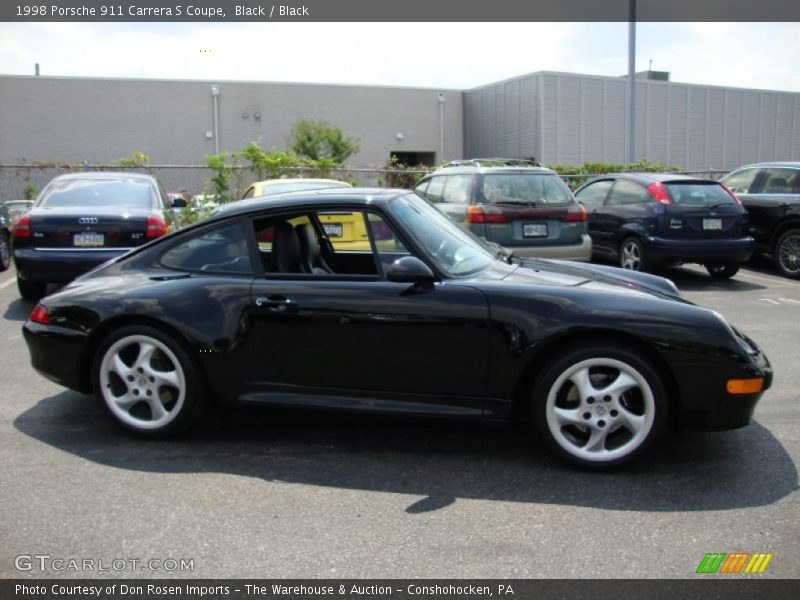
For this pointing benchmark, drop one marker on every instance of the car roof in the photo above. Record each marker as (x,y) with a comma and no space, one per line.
(105,175)
(467,169)
(647,178)
(351,196)
(787,163)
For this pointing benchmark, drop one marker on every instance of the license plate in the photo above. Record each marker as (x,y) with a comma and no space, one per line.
(712,224)
(88,240)
(333,229)
(534,230)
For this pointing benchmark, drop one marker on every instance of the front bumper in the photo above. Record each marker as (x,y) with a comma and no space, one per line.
(707,404)
(60,265)
(730,251)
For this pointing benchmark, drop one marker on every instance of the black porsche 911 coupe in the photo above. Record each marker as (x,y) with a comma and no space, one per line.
(257,304)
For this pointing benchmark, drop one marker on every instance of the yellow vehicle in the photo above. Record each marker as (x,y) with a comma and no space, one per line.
(280,186)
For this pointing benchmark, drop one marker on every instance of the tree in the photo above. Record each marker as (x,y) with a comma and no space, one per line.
(318,140)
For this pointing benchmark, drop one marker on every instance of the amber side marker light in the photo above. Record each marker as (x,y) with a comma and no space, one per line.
(745,386)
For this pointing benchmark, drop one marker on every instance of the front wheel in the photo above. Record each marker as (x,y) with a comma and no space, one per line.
(787,253)
(722,271)
(631,255)
(148,382)
(599,406)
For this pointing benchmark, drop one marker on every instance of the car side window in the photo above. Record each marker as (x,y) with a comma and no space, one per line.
(219,250)
(456,189)
(388,246)
(627,193)
(421,187)
(741,181)
(435,189)
(594,195)
(780,181)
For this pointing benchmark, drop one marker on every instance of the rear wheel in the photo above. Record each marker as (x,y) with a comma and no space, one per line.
(722,271)
(631,255)
(787,253)
(599,406)
(5,250)
(31,290)
(148,382)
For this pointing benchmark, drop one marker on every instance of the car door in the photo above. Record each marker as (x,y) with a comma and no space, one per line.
(352,331)
(628,206)
(773,194)
(593,197)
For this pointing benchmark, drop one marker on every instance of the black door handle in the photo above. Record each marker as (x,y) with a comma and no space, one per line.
(276,303)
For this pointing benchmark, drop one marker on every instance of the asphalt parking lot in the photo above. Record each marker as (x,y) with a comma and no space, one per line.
(265,494)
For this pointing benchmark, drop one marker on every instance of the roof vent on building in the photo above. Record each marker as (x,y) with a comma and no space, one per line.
(653,75)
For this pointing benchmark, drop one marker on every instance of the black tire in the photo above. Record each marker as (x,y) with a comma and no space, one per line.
(31,290)
(626,423)
(787,253)
(632,256)
(5,250)
(722,271)
(132,397)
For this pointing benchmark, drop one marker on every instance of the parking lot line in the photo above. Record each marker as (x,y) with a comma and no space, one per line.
(7,283)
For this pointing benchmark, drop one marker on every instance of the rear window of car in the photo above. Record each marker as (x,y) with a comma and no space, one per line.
(527,189)
(699,194)
(92,192)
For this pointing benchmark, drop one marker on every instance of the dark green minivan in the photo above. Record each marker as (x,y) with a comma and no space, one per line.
(517,204)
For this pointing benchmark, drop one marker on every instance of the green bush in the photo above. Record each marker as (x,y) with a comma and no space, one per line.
(317,140)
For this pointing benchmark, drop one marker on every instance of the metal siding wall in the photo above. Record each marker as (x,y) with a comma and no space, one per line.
(750,110)
(511,125)
(529,119)
(614,123)
(548,86)
(569,127)
(489,117)
(734,116)
(657,123)
(591,120)
(696,131)
(678,107)
(715,128)
(767,126)
(640,107)
(783,136)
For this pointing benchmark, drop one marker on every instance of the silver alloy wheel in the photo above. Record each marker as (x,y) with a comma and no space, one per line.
(631,256)
(789,254)
(600,409)
(142,382)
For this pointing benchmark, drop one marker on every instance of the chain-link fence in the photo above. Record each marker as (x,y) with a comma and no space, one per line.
(21,180)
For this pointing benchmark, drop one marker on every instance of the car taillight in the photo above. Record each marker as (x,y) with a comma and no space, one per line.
(40,314)
(156,227)
(22,228)
(731,194)
(576,214)
(659,192)
(486,214)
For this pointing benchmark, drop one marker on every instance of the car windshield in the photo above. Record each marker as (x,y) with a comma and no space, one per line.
(122,193)
(699,194)
(456,251)
(525,188)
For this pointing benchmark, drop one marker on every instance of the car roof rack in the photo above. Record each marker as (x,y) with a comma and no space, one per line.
(492,162)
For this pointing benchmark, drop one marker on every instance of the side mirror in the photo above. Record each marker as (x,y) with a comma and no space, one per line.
(178,203)
(410,269)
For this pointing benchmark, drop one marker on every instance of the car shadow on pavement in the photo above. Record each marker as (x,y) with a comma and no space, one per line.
(440,461)
(700,281)
(18,310)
